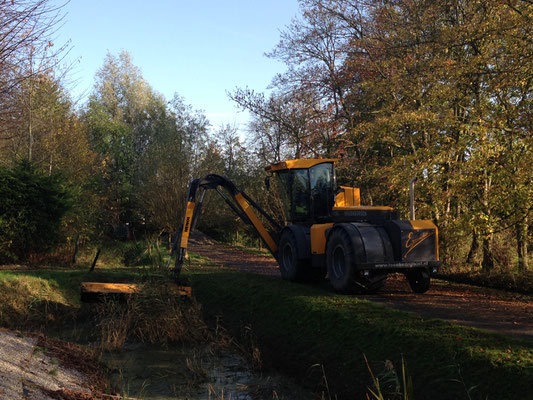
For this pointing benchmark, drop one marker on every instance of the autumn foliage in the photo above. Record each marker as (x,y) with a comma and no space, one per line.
(441,91)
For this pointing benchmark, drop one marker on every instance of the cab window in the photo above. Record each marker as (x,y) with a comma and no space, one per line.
(322,189)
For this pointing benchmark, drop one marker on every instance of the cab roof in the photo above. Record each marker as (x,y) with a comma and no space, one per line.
(299,163)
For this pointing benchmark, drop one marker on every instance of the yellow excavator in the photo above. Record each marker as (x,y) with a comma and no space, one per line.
(328,232)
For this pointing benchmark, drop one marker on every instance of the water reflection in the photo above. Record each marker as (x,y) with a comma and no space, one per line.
(179,372)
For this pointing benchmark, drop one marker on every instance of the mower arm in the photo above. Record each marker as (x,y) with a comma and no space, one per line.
(240,203)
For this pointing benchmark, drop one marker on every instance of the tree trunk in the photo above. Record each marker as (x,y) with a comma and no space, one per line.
(474,247)
(30,125)
(75,255)
(488,258)
(521,241)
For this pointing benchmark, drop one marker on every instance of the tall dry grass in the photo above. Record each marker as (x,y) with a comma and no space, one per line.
(155,315)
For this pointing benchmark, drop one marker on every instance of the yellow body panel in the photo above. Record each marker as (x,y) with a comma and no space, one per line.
(256,222)
(427,224)
(187,224)
(423,224)
(299,163)
(318,237)
(363,208)
(348,197)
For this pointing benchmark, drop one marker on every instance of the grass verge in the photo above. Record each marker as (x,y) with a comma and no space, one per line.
(303,331)
(518,283)
(299,327)
(40,300)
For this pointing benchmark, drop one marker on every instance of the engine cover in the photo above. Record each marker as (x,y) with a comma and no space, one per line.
(413,240)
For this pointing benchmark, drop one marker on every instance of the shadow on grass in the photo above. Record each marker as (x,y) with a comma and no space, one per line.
(298,326)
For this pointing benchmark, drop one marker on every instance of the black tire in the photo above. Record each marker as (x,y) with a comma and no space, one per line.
(342,269)
(419,280)
(291,268)
(340,259)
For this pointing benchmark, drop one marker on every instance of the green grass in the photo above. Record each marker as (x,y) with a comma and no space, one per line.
(299,326)
(36,299)
(62,281)
(65,283)
(302,330)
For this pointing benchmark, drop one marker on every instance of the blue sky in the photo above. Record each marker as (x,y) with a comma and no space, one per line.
(199,49)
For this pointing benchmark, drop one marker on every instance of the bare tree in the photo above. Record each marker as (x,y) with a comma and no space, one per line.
(27,29)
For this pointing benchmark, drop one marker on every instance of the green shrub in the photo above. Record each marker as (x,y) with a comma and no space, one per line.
(134,254)
(32,205)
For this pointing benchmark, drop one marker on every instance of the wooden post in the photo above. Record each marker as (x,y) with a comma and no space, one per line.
(95,260)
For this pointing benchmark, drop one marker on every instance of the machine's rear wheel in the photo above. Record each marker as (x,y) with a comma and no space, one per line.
(291,268)
(419,280)
(342,270)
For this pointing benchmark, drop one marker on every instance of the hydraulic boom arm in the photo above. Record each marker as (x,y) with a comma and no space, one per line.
(242,205)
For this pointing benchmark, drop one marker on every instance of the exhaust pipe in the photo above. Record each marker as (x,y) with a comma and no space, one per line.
(412,197)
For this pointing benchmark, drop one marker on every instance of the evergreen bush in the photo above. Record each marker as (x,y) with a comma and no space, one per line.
(32,205)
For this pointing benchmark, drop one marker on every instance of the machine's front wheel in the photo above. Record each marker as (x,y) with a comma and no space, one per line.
(343,273)
(291,268)
(341,261)
(419,280)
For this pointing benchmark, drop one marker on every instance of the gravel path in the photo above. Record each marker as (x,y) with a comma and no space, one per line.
(27,372)
(489,309)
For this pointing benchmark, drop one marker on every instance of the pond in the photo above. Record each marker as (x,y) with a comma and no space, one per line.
(195,373)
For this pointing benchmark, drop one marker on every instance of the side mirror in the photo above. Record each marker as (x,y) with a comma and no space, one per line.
(267,182)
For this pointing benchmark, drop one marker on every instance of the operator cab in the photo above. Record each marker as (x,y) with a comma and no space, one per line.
(307,189)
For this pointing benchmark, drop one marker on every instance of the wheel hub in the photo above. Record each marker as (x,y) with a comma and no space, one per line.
(339,262)
(287,255)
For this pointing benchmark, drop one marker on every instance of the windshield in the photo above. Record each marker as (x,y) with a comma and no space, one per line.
(295,193)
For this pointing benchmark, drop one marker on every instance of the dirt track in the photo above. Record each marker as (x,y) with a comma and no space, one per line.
(492,310)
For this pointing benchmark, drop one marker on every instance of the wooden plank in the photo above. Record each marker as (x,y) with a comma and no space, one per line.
(98,287)
(92,291)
